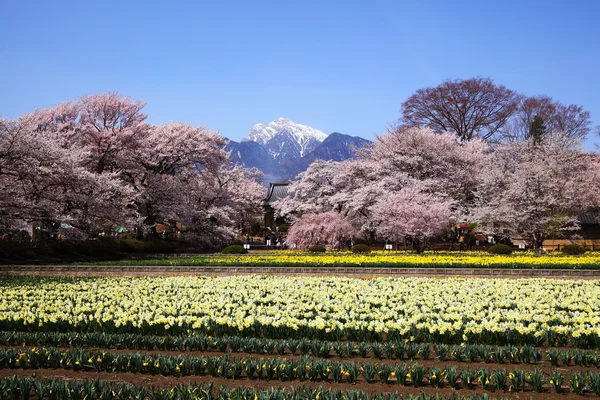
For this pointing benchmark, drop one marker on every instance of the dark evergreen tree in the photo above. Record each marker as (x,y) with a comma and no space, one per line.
(537,129)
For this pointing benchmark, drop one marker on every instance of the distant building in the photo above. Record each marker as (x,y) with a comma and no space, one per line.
(588,236)
(277,191)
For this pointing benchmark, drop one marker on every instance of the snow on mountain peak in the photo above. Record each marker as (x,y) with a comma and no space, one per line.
(301,135)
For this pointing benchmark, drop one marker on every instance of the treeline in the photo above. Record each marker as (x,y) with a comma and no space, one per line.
(96,166)
(466,151)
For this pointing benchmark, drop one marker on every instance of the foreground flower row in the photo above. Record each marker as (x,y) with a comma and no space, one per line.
(305,368)
(527,311)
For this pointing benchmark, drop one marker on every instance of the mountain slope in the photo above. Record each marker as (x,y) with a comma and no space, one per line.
(336,147)
(285,139)
(282,149)
(251,155)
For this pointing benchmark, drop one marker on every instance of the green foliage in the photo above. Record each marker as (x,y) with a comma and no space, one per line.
(133,245)
(452,375)
(484,378)
(368,372)
(537,129)
(578,382)
(361,248)
(149,245)
(234,249)
(594,378)
(516,380)
(401,372)
(417,374)
(269,368)
(573,250)
(441,352)
(499,378)
(500,249)
(384,371)
(316,249)
(556,380)
(101,247)
(436,377)
(283,228)
(536,378)
(467,377)
(12,249)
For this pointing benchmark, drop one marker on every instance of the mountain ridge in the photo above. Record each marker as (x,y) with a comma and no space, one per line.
(285,139)
(282,149)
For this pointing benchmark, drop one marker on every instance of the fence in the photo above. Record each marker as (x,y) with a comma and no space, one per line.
(556,245)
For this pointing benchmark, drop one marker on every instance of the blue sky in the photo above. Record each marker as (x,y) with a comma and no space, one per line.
(341,66)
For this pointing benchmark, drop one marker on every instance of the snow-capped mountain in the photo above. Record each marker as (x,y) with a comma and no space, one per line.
(285,139)
(282,149)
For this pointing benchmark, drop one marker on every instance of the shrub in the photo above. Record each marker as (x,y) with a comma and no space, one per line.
(283,228)
(500,249)
(234,249)
(148,245)
(573,249)
(316,249)
(163,245)
(50,247)
(96,248)
(13,249)
(135,245)
(361,248)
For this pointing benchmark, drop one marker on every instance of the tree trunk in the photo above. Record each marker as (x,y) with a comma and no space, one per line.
(538,242)
(139,233)
(418,246)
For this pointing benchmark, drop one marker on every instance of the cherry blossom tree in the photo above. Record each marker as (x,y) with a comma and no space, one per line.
(95,164)
(44,182)
(184,175)
(312,190)
(214,203)
(162,164)
(533,189)
(436,163)
(110,127)
(413,214)
(103,130)
(329,228)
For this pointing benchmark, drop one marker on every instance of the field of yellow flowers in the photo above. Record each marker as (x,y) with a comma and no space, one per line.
(427,309)
(272,337)
(590,260)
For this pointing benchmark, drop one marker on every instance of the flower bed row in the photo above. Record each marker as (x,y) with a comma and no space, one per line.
(15,387)
(318,370)
(450,311)
(391,350)
(378,260)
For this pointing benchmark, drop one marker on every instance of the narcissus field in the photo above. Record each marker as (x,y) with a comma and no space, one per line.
(298,337)
(380,259)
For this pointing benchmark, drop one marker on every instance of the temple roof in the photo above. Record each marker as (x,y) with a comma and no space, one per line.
(589,218)
(277,191)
